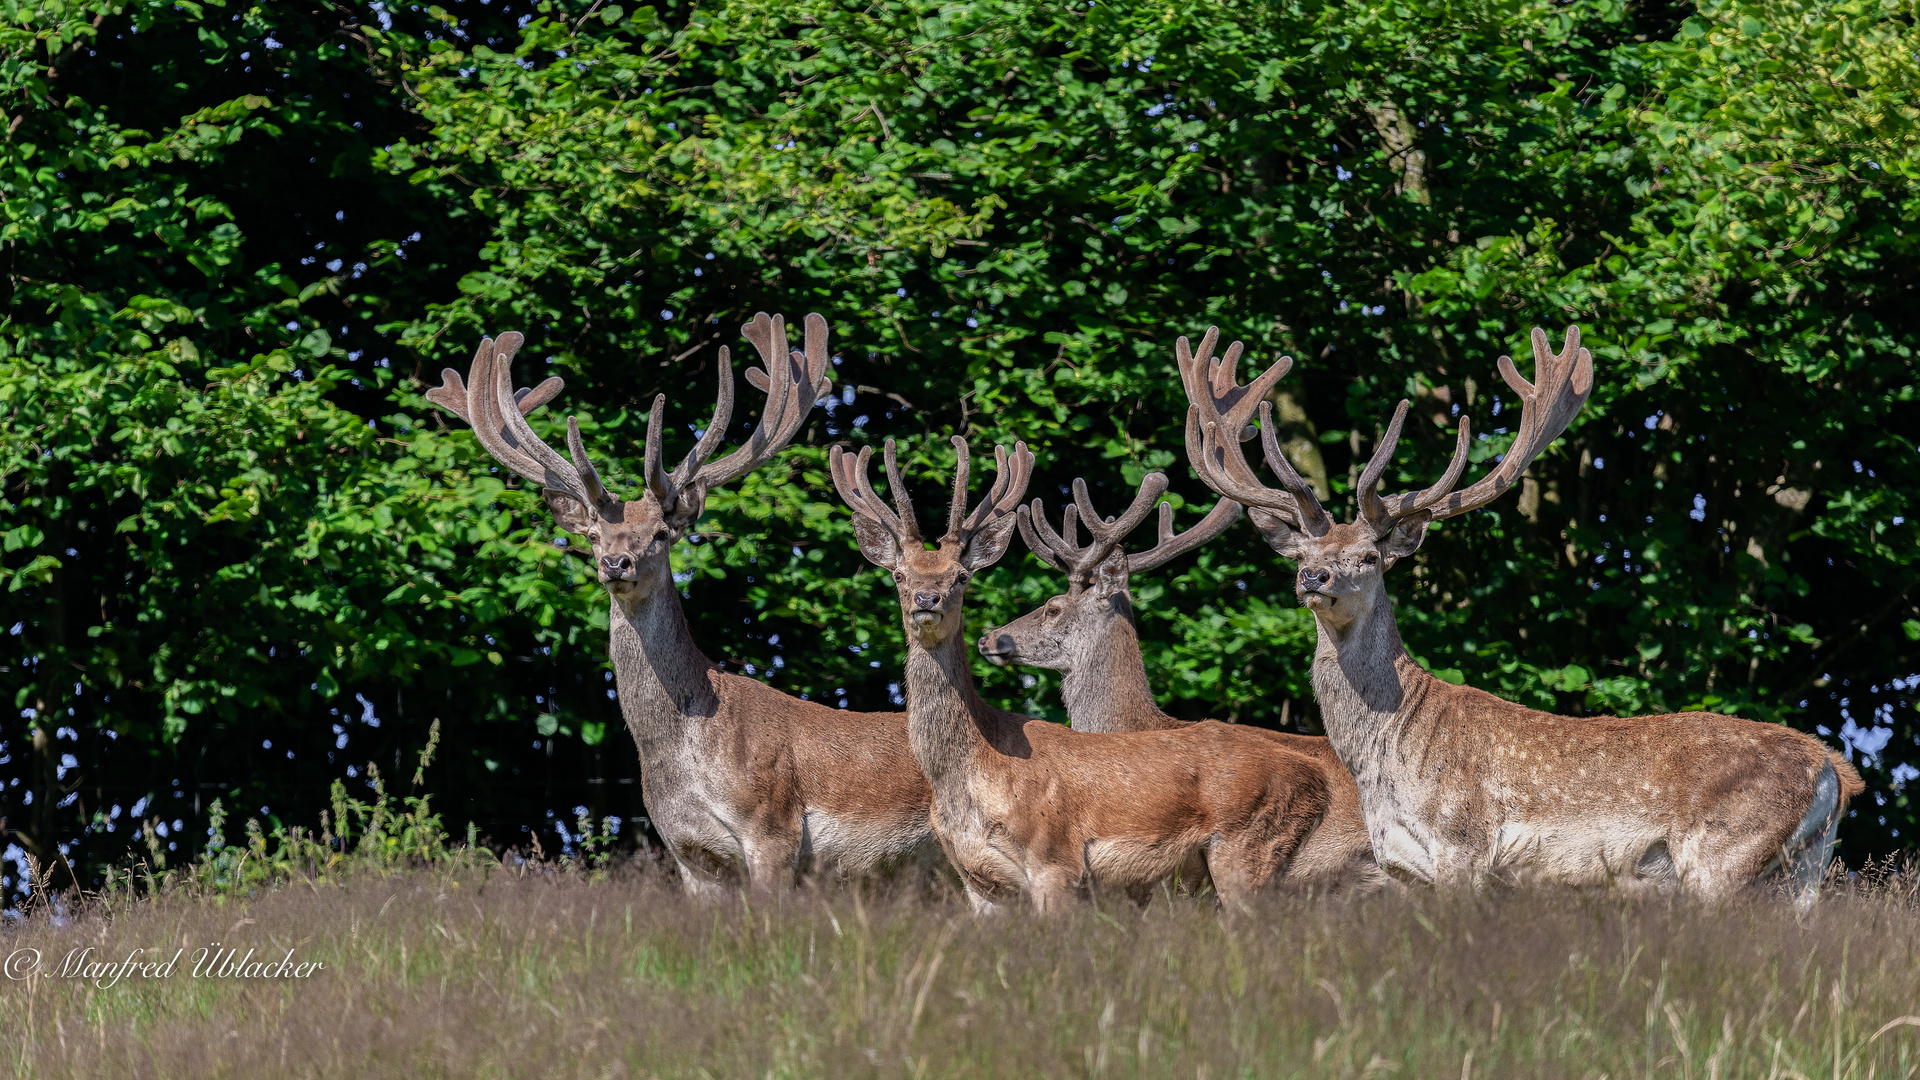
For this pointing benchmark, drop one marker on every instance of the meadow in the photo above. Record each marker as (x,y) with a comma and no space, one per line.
(466,966)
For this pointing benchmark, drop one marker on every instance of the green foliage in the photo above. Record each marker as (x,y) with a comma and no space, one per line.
(1392,194)
(224,542)
(380,836)
(229,520)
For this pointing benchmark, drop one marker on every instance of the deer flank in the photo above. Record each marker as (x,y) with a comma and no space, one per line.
(1459,786)
(744,784)
(1029,809)
(1088,635)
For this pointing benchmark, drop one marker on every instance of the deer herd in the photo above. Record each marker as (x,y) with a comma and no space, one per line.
(1416,781)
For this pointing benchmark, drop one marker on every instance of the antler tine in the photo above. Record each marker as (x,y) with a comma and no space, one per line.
(957,517)
(1371,508)
(1104,535)
(1242,400)
(760,331)
(1112,530)
(842,467)
(1565,383)
(797,381)
(531,398)
(1216,425)
(1213,384)
(583,465)
(907,524)
(957,505)
(716,428)
(1011,474)
(819,369)
(1035,544)
(1210,466)
(851,479)
(501,412)
(494,438)
(1399,506)
(845,470)
(1191,364)
(768,333)
(1307,510)
(665,491)
(1055,550)
(1224,513)
(452,393)
(814,360)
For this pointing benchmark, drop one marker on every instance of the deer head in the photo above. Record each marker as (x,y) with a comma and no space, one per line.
(631,538)
(1341,567)
(933,582)
(1070,627)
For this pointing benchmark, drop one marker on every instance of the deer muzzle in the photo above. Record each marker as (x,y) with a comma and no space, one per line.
(617,567)
(999,649)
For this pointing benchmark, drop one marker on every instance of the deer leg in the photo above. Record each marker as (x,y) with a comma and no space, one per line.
(1052,890)
(1810,848)
(1241,866)
(981,903)
(1790,854)
(1192,874)
(1453,868)
(770,866)
(1796,863)
(700,884)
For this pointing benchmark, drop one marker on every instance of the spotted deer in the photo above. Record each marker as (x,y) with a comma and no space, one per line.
(1459,786)
(1025,808)
(1088,635)
(744,784)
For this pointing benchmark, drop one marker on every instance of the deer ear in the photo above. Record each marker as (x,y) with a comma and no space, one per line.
(989,544)
(1406,537)
(1110,577)
(571,514)
(876,542)
(1280,534)
(687,507)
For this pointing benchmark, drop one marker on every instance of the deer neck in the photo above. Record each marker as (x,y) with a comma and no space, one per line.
(944,711)
(1106,689)
(1366,683)
(665,682)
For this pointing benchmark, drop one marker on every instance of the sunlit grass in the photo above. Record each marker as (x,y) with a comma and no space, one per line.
(478,970)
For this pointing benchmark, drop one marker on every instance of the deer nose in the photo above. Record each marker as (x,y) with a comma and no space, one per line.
(926,601)
(617,566)
(1315,580)
(996,644)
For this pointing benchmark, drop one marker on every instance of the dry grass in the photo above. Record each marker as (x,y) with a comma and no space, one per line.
(529,972)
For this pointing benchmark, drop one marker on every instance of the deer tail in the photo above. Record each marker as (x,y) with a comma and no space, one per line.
(1850,782)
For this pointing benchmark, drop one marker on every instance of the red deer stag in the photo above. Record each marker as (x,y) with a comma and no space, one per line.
(742,781)
(1460,786)
(1088,634)
(1023,806)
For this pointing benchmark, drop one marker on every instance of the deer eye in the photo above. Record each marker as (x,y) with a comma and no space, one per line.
(898,576)
(964,576)
(593,538)
(1370,558)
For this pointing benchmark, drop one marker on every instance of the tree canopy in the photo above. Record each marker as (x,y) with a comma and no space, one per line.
(243,556)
